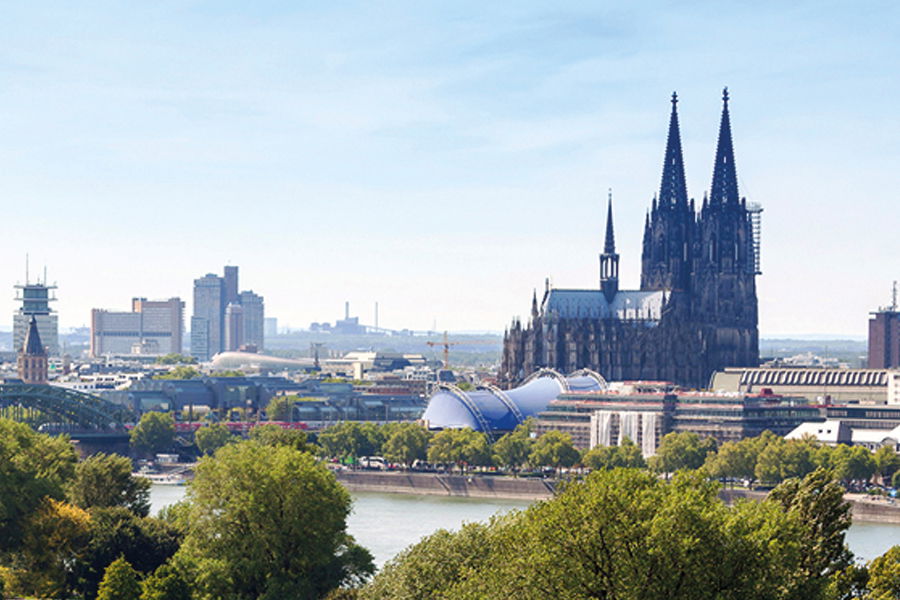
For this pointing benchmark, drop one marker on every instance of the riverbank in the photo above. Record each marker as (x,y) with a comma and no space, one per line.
(865,509)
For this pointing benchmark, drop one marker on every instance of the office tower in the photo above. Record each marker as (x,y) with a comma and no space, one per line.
(36,298)
(209,317)
(270,327)
(231,285)
(884,336)
(152,327)
(32,357)
(234,327)
(254,319)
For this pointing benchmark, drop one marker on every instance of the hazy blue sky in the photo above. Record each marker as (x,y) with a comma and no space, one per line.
(440,158)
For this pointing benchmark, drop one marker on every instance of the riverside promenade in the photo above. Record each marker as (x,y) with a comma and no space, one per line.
(865,510)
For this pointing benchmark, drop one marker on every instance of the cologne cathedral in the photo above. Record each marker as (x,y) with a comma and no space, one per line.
(696,311)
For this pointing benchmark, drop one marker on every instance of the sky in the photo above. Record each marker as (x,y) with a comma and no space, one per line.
(441,159)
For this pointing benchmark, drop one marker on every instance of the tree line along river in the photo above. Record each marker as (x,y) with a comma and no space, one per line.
(388,523)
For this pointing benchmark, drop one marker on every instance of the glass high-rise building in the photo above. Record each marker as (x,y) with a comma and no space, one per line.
(207,324)
(254,319)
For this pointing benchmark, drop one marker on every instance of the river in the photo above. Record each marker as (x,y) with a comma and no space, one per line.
(388,523)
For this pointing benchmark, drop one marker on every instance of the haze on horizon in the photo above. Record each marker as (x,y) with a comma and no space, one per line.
(439,159)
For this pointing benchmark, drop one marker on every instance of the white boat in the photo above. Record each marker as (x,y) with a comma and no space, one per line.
(163,478)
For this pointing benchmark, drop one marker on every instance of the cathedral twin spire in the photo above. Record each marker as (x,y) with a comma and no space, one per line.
(673,190)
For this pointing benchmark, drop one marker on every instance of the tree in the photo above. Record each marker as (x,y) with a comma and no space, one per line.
(105,480)
(54,537)
(145,542)
(32,466)
(852,463)
(884,576)
(429,568)
(513,449)
(154,433)
(407,443)
(620,533)
(273,435)
(176,359)
(180,372)
(120,582)
(554,449)
(212,437)
(681,450)
(895,480)
(279,408)
(464,447)
(816,502)
(734,460)
(269,522)
(626,455)
(351,440)
(166,583)
(887,462)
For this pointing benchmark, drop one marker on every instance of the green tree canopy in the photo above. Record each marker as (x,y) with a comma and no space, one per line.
(179,372)
(269,522)
(817,502)
(553,449)
(681,450)
(145,542)
(280,407)
(513,449)
(351,439)
(166,583)
(32,466)
(460,446)
(176,359)
(407,443)
(105,480)
(626,455)
(155,432)
(622,534)
(887,462)
(884,576)
(210,438)
(273,435)
(120,582)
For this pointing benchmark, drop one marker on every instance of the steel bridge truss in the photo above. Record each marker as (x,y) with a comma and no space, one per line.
(58,408)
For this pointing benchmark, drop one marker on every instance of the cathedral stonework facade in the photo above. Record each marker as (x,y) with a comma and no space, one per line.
(696,311)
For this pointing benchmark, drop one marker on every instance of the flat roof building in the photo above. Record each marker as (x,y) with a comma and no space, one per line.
(151,327)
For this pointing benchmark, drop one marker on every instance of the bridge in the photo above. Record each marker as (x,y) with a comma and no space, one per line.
(57,410)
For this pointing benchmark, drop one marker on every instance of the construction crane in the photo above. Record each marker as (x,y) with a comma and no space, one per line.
(446,343)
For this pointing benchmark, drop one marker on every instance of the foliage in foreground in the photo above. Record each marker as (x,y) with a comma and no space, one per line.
(268,522)
(625,534)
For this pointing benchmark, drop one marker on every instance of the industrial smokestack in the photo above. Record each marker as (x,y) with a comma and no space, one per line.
(346,310)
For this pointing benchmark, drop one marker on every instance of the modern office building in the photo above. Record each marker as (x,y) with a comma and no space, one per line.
(225,319)
(254,310)
(230,281)
(270,327)
(821,385)
(209,317)
(645,412)
(36,298)
(884,336)
(234,327)
(152,327)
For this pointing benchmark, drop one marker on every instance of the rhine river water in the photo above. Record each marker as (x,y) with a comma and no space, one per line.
(388,523)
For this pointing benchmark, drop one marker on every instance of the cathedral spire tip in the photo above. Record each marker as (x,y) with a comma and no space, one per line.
(610,245)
